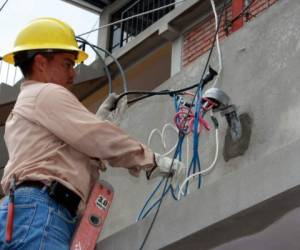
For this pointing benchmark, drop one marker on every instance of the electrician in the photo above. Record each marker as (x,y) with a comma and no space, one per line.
(51,137)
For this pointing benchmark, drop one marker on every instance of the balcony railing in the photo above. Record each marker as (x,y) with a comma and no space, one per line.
(124,32)
(9,74)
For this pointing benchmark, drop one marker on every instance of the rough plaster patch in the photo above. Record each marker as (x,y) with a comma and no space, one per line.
(232,148)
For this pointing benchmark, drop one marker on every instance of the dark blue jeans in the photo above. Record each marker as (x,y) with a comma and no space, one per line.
(39,222)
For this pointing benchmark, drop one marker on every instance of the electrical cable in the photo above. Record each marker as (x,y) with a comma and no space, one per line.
(162,135)
(177,101)
(178,104)
(146,94)
(156,203)
(131,17)
(180,134)
(140,216)
(178,145)
(195,163)
(212,165)
(94,25)
(154,218)
(1,8)
(107,72)
(125,84)
(217,43)
(240,14)
(201,84)
(195,160)
(205,171)
(203,80)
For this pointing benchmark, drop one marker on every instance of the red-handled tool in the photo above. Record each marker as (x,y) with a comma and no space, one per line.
(10,211)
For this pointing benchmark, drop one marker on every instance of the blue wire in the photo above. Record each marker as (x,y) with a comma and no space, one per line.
(189,172)
(169,189)
(157,202)
(195,162)
(149,198)
(197,148)
(195,159)
(178,154)
(199,176)
(176,105)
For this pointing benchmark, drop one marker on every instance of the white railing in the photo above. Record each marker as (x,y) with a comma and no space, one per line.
(9,74)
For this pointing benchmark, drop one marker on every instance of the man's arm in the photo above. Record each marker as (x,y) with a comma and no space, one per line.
(60,112)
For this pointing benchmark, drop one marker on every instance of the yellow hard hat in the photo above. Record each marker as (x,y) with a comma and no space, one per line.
(46,34)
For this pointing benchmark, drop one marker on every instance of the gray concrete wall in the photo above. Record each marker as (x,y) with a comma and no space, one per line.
(261,76)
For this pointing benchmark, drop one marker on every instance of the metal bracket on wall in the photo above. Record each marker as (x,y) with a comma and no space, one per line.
(238,134)
(234,148)
(233,121)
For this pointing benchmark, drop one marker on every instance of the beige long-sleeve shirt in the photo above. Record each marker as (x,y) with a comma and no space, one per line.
(50,136)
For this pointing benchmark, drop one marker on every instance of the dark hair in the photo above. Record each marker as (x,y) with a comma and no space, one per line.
(24,60)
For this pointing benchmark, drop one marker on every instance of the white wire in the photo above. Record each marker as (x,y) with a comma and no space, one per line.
(207,170)
(137,15)
(204,171)
(163,137)
(187,157)
(187,150)
(164,131)
(97,22)
(217,43)
(151,135)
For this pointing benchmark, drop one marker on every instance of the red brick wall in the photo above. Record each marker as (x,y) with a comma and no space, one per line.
(198,40)
(259,6)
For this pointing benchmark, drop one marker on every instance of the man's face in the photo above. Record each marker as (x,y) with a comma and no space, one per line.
(60,69)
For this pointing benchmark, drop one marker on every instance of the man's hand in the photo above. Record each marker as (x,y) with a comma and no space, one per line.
(109,111)
(97,163)
(163,165)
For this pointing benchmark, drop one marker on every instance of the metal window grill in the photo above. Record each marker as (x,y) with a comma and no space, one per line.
(124,32)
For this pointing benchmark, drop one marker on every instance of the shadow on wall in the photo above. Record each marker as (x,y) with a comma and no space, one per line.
(282,234)
(270,225)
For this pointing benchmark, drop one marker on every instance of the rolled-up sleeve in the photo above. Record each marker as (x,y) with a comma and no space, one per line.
(62,114)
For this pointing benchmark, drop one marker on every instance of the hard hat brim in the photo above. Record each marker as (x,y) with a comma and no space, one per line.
(9,58)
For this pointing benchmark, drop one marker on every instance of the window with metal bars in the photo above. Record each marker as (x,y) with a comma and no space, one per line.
(124,32)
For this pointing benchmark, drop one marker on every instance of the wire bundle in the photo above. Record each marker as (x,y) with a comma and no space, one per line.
(184,119)
(181,135)
(189,121)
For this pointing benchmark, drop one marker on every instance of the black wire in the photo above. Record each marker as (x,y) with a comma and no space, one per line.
(155,215)
(199,86)
(93,46)
(125,83)
(3,5)
(163,192)
(240,15)
(146,94)
(84,41)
